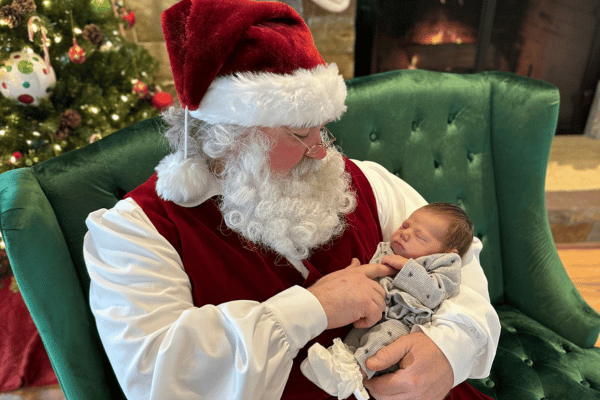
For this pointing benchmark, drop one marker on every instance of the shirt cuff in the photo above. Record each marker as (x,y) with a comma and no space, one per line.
(459,348)
(300,314)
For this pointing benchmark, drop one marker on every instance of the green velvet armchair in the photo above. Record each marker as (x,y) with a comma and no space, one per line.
(480,141)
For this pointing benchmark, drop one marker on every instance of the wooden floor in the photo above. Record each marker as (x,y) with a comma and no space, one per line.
(44,393)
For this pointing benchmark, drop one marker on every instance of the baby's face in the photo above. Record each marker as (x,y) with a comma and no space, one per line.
(420,235)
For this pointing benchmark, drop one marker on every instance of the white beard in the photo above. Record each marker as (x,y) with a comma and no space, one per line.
(291,215)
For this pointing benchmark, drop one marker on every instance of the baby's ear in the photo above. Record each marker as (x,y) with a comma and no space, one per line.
(453,251)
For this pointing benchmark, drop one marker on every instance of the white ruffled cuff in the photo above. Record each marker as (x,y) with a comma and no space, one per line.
(335,370)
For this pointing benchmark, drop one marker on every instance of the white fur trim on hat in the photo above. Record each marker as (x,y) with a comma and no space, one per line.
(185,182)
(305,98)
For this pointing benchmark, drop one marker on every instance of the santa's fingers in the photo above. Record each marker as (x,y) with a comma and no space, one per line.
(374,271)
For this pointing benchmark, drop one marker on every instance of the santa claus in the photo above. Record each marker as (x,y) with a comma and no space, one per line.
(249,243)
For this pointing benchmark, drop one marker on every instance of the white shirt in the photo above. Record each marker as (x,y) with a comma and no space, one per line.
(163,347)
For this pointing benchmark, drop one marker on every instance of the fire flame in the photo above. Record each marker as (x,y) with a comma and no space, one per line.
(442,36)
(439,30)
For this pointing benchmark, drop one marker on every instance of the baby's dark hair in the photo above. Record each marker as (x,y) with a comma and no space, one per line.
(460,233)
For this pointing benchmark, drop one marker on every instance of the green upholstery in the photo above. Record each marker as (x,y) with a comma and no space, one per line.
(481,141)
(42,215)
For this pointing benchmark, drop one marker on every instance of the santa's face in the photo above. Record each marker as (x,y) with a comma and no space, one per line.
(276,192)
(276,196)
(289,146)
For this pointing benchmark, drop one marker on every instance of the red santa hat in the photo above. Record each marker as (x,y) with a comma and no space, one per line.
(247,63)
(250,63)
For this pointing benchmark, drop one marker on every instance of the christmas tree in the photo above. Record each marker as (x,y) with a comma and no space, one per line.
(68,76)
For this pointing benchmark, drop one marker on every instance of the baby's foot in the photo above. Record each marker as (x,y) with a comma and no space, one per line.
(334,370)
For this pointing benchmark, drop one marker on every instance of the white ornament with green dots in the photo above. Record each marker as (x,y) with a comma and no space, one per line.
(26,78)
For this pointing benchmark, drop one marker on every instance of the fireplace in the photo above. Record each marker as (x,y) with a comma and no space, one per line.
(435,42)
(557,41)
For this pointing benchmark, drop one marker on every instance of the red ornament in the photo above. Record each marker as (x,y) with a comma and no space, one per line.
(17,155)
(161,100)
(26,99)
(128,16)
(76,53)
(140,89)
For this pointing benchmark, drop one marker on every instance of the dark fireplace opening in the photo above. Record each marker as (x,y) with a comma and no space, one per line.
(425,34)
(557,41)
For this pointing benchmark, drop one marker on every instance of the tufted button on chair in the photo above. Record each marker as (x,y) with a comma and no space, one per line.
(480,141)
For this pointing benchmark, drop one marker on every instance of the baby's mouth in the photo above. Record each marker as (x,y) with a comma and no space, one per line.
(397,246)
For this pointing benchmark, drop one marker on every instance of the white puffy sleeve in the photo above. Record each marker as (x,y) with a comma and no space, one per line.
(160,345)
(466,327)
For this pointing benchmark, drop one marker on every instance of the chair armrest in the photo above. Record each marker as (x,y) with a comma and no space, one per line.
(524,112)
(51,289)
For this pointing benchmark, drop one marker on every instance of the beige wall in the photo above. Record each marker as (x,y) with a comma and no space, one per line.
(333,34)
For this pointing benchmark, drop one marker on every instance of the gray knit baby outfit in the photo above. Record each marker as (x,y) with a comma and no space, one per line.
(412,296)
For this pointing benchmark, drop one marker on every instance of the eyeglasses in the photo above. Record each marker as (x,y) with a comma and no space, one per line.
(327,140)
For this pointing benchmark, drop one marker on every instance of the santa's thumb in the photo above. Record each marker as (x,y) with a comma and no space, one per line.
(388,355)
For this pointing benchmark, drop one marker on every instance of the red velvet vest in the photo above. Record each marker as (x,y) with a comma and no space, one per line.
(223,266)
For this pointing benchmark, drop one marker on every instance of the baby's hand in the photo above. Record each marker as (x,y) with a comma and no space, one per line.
(362,372)
(394,261)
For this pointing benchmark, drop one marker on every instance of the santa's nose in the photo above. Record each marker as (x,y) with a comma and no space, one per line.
(316,149)
(317,152)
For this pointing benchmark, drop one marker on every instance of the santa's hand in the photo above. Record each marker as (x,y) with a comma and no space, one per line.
(351,295)
(424,374)
(394,261)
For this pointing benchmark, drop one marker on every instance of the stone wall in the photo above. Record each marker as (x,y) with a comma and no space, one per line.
(333,34)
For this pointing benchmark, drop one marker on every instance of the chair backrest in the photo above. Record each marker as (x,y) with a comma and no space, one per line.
(455,138)
(480,141)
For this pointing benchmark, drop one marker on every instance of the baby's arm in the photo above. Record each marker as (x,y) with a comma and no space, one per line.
(430,279)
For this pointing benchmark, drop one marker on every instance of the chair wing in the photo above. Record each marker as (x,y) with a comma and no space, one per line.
(43,224)
(52,288)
